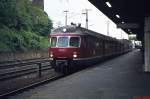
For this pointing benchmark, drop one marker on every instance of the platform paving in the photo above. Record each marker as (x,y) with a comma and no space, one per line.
(118,78)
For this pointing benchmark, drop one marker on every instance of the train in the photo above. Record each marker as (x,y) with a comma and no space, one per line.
(74,46)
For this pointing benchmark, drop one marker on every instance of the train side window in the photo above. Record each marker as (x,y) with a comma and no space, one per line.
(74,41)
(53,41)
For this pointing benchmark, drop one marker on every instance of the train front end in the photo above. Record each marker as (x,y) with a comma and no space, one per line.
(64,47)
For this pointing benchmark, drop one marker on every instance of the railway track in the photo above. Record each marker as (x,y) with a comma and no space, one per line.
(20,72)
(11,75)
(23,88)
(16,63)
(18,69)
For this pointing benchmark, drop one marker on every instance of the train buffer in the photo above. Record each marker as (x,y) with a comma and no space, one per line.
(118,78)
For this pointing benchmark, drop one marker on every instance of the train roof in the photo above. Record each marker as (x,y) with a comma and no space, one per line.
(67,29)
(80,30)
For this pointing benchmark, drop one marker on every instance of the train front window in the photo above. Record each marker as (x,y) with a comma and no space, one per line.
(53,41)
(62,42)
(74,42)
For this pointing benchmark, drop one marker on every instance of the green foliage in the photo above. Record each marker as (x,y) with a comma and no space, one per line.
(21,41)
(23,26)
(23,16)
(8,13)
(41,22)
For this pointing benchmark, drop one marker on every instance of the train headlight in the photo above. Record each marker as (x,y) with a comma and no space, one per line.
(75,55)
(51,54)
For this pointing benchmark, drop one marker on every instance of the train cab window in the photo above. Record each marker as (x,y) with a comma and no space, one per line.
(74,42)
(53,41)
(62,42)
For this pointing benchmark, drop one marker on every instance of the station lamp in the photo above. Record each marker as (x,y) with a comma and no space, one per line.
(108,4)
(122,22)
(117,16)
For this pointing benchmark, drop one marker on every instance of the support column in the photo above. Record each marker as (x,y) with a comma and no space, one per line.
(147,44)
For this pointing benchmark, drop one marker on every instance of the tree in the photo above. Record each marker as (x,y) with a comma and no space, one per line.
(8,13)
(22,26)
(41,23)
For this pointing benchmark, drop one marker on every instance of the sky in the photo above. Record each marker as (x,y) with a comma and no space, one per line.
(97,20)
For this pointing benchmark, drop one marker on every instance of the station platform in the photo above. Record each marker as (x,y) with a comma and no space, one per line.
(118,78)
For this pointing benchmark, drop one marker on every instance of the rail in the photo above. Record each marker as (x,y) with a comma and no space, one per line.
(22,68)
(11,72)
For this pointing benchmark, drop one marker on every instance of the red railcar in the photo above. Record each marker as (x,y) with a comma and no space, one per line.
(72,46)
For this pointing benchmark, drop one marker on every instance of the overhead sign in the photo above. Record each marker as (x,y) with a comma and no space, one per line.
(128,25)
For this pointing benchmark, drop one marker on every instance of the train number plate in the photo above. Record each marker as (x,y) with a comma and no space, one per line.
(61,62)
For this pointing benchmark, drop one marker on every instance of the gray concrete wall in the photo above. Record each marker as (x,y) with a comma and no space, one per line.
(23,55)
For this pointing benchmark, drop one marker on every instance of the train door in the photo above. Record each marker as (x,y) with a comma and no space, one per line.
(86,46)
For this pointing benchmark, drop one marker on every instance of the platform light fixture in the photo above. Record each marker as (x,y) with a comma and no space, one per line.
(117,16)
(108,4)
(122,22)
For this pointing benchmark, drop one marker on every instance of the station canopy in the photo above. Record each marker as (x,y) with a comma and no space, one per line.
(127,14)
